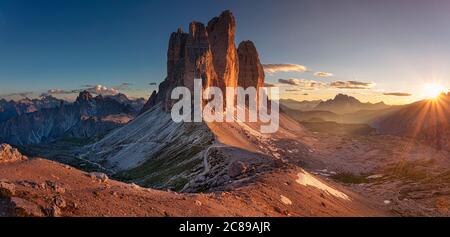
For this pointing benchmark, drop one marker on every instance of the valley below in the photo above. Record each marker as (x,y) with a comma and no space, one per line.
(401,175)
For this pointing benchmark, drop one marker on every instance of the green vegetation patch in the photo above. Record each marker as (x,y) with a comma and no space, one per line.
(159,170)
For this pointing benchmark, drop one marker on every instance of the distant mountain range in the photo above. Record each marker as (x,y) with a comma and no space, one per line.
(304,105)
(135,104)
(341,109)
(427,120)
(52,119)
(342,104)
(11,108)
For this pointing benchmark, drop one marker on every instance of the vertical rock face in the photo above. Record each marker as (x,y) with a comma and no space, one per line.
(189,57)
(198,61)
(152,101)
(221,40)
(175,53)
(208,53)
(175,66)
(251,72)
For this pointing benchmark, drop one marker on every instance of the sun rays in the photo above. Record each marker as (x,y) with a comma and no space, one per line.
(433,90)
(432,118)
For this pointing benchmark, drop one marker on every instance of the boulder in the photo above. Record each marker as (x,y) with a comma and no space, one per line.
(24,208)
(10,154)
(59,201)
(7,190)
(55,187)
(98,176)
(237,168)
(53,211)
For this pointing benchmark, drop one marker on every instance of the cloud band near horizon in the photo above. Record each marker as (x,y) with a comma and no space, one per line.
(283,67)
(397,94)
(311,84)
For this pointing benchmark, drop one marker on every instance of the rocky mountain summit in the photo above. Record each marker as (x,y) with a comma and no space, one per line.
(154,151)
(251,72)
(136,104)
(208,52)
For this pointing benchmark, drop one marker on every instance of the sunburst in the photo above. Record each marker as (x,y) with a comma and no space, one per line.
(433,90)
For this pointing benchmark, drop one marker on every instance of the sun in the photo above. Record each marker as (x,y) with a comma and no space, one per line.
(433,90)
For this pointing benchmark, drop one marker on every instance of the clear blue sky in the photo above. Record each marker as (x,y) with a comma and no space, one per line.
(398,45)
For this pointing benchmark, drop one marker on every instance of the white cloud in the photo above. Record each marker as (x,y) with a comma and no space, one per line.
(352,85)
(323,74)
(272,68)
(60,92)
(102,90)
(17,95)
(397,94)
(303,83)
(93,89)
(311,84)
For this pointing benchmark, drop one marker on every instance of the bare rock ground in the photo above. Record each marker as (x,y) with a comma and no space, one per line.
(403,176)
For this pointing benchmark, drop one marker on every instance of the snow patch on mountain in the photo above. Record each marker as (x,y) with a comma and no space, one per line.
(306,179)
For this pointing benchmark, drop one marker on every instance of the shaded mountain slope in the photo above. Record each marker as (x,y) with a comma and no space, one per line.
(87,117)
(135,104)
(299,105)
(358,117)
(154,151)
(427,120)
(153,147)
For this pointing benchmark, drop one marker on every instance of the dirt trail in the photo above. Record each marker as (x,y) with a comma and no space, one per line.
(206,155)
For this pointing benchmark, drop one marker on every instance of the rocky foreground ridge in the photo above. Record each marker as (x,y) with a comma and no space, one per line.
(42,188)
